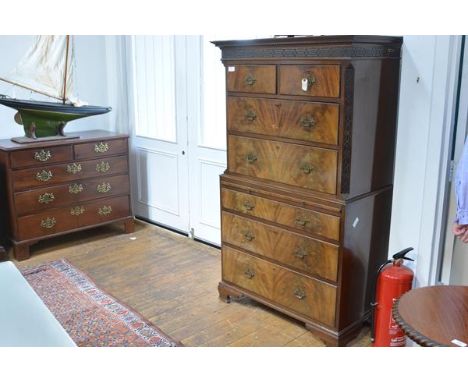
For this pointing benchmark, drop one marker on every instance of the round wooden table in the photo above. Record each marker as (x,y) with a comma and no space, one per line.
(435,315)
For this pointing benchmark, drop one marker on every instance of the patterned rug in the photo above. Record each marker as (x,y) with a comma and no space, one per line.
(90,316)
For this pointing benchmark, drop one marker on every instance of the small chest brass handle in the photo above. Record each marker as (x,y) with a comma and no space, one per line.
(101,147)
(48,223)
(77,211)
(250,80)
(307,168)
(75,188)
(301,221)
(251,158)
(307,122)
(44,175)
(42,156)
(249,236)
(105,210)
(74,168)
(103,188)
(103,167)
(250,116)
(46,198)
(301,253)
(249,273)
(299,293)
(248,205)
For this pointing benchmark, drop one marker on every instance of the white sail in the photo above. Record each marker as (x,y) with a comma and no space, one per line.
(43,68)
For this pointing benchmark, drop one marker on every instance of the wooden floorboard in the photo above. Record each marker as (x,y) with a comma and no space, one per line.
(172,281)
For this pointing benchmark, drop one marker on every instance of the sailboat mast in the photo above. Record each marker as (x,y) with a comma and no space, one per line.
(65,71)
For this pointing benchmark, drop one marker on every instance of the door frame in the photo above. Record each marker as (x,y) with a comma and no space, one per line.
(458,141)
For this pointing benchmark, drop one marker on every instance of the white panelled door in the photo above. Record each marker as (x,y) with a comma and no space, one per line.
(178,137)
(159,134)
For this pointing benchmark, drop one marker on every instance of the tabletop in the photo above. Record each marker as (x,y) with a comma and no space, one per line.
(434,315)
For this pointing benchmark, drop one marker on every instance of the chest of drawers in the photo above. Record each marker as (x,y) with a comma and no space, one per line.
(56,187)
(306,197)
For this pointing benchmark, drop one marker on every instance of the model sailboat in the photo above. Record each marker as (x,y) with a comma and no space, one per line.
(48,69)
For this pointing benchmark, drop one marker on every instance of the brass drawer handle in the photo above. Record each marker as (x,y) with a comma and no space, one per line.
(249,236)
(301,253)
(46,198)
(250,80)
(77,211)
(48,223)
(101,147)
(42,156)
(74,168)
(44,175)
(250,274)
(307,168)
(248,205)
(75,188)
(251,158)
(307,122)
(105,210)
(103,167)
(307,82)
(250,116)
(103,188)
(299,293)
(302,222)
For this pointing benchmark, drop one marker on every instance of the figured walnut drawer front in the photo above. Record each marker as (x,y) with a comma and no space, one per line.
(41,156)
(308,121)
(310,80)
(302,294)
(47,175)
(303,166)
(306,220)
(297,251)
(100,148)
(57,220)
(252,79)
(57,196)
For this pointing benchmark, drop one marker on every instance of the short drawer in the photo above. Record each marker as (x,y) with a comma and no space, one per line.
(297,165)
(251,79)
(300,252)
(310,80)
(306,220)
(49,175)
(304,295)
(41,156)
(57,220)
(100,148)
(38,199)
(308,121)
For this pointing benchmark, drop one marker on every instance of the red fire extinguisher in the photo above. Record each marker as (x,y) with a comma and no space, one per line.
(392,282)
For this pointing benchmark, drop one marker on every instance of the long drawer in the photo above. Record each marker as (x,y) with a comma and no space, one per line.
(303,166)
(66,172)
(306,220)
(38,199)
(297,251)
(309,121)
(63,219)
(304,295)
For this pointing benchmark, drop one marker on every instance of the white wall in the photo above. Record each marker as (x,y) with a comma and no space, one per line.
(91,82)
(427,88)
